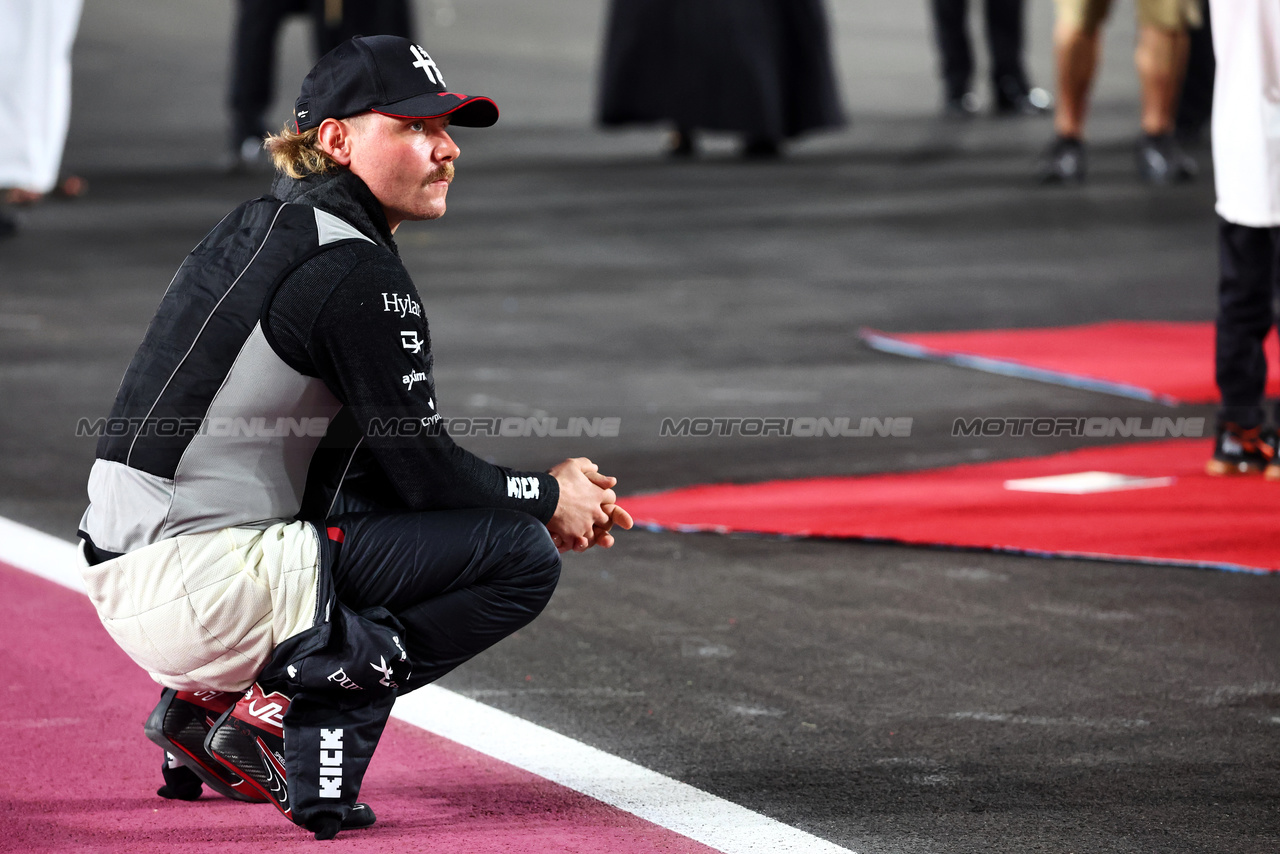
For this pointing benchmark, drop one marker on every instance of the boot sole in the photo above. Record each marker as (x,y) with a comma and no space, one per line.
(1219,468)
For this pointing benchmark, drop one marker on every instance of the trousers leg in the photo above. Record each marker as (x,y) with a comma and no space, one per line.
(1246,312)
(394,18)
(338,20)
(253,63)
(951,32)
(1004,19)
(326,24)
(458,581)
(1195,102)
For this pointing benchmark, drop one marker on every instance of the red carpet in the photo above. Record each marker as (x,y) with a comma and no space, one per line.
(80,776)
(1179,516)
(1168,362)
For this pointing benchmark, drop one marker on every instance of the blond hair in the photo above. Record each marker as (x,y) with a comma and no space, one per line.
(298,154)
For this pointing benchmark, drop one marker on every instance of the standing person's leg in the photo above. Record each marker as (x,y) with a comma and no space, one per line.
(393,18)
(14,158)
(335,21)
(459,581)
(1195,101)
(1246,312)
(326,24)
(1273,440)
(955,55)
(253,71)
(1076,40)
(1161,60)
(35,79)
(57,24)
(1005,32)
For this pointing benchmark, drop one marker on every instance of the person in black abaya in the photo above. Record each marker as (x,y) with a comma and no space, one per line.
(761,68)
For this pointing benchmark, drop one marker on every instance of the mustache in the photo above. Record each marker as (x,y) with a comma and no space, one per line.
(444,173)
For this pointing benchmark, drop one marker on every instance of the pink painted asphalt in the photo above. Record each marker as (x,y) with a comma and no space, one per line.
(78,774)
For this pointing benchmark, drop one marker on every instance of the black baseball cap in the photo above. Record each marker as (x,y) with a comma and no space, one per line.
(389,75)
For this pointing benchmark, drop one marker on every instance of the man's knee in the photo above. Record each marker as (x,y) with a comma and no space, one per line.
(534,557)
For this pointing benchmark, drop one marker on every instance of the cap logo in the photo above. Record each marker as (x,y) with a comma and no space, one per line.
(427,64)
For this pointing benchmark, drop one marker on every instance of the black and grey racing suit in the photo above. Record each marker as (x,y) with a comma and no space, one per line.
(287,375)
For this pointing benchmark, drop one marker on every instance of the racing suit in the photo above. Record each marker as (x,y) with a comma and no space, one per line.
(275,483)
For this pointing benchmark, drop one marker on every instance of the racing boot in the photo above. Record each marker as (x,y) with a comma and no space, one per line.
(249,740)
(179,724)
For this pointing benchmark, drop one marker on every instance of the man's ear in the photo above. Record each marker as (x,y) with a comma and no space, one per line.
(335,140)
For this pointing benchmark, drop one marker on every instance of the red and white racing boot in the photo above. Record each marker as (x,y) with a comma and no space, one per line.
(180,724)
(249,740)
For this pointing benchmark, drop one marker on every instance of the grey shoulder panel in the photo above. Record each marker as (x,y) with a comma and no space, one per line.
(331,229)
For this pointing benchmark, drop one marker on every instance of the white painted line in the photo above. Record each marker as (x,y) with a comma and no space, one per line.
(660,800)
(653,797)
(1086,483)
(40,554)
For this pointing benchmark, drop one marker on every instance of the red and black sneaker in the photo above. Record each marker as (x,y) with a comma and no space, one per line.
(249,740)
(180,724)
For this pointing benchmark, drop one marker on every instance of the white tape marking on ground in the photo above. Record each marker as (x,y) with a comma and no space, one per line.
(1085,483)
(668,803)
(660,800)
(40,554)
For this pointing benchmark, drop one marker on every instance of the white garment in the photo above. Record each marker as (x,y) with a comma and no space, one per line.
(1246,110)
(35,89)
(205,611)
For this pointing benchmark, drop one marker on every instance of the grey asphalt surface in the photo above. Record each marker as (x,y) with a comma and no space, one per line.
(889,699)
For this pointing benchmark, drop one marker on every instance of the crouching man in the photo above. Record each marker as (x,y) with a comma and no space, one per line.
(280,530)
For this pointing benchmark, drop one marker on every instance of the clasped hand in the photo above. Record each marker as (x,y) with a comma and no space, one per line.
(588,508)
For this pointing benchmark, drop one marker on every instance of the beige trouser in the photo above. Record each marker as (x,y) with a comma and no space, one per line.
(1165,14)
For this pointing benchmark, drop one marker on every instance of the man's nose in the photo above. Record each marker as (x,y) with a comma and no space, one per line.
(447,150)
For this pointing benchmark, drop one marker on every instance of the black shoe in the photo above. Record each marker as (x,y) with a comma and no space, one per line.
(1238,450)
(761,148)
(1016,98)
(1063,162)
(360,817)
(180,723)
(180,782)
(1161,160)
(247,156)
(683,144)
(961,106)
(327,827)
